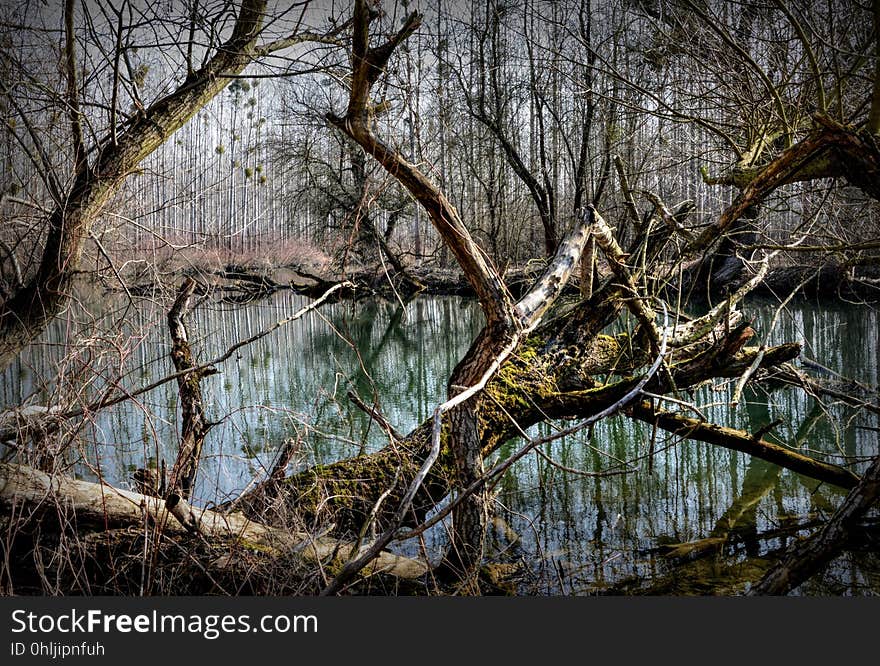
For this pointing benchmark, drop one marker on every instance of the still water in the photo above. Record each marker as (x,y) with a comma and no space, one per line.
(559,531)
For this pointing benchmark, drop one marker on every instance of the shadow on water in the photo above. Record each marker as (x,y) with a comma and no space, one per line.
(689,519)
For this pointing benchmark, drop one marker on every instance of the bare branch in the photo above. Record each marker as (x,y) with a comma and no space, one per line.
(549,286)
(79,151)
(358,123)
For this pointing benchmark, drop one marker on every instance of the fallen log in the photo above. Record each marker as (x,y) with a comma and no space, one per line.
(533,386)
(63,503)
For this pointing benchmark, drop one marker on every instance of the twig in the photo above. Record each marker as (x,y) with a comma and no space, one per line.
(375,414)
(580,472)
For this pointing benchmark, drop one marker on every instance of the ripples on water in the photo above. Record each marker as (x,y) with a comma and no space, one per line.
(575,534)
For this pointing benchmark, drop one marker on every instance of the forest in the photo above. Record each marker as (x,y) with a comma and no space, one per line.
(392,297)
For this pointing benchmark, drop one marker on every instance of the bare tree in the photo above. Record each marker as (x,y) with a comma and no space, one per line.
(98,170)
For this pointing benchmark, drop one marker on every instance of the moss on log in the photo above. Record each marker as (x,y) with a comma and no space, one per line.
(535,384)
(86,513)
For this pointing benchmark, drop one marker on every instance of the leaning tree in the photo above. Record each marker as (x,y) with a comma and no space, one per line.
(110,133)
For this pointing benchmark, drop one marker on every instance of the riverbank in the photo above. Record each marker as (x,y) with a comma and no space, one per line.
(240,279)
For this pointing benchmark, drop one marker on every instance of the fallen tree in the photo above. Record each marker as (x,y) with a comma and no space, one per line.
(40,505)
(522,370)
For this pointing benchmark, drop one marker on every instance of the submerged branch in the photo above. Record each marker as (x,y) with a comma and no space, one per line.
(744,442)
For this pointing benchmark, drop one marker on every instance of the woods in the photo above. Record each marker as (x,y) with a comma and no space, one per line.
(613,184)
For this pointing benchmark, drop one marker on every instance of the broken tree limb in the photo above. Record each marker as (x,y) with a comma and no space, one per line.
(182,511)
(588,268)
(616,257)
(792,375)
(669,218)
(532,306)
(91,507)
(737,440)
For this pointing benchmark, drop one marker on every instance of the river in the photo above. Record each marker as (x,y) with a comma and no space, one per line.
(564,531)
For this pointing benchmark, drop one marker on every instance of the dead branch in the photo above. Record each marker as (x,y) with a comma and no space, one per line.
(744,442)
(195,426)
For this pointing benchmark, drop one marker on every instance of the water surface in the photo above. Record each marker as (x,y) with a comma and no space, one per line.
(562,531)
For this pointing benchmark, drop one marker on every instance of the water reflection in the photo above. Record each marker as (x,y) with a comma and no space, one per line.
(576,534)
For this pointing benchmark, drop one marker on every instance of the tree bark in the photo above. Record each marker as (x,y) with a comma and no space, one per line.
(194,425)
(808,556)
(62,504)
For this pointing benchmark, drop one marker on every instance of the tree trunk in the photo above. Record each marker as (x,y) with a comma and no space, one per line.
(57,505)
(194,424)
(542,381)
(470,518)
(24,315)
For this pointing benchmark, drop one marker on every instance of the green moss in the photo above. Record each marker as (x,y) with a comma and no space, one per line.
(257,547)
